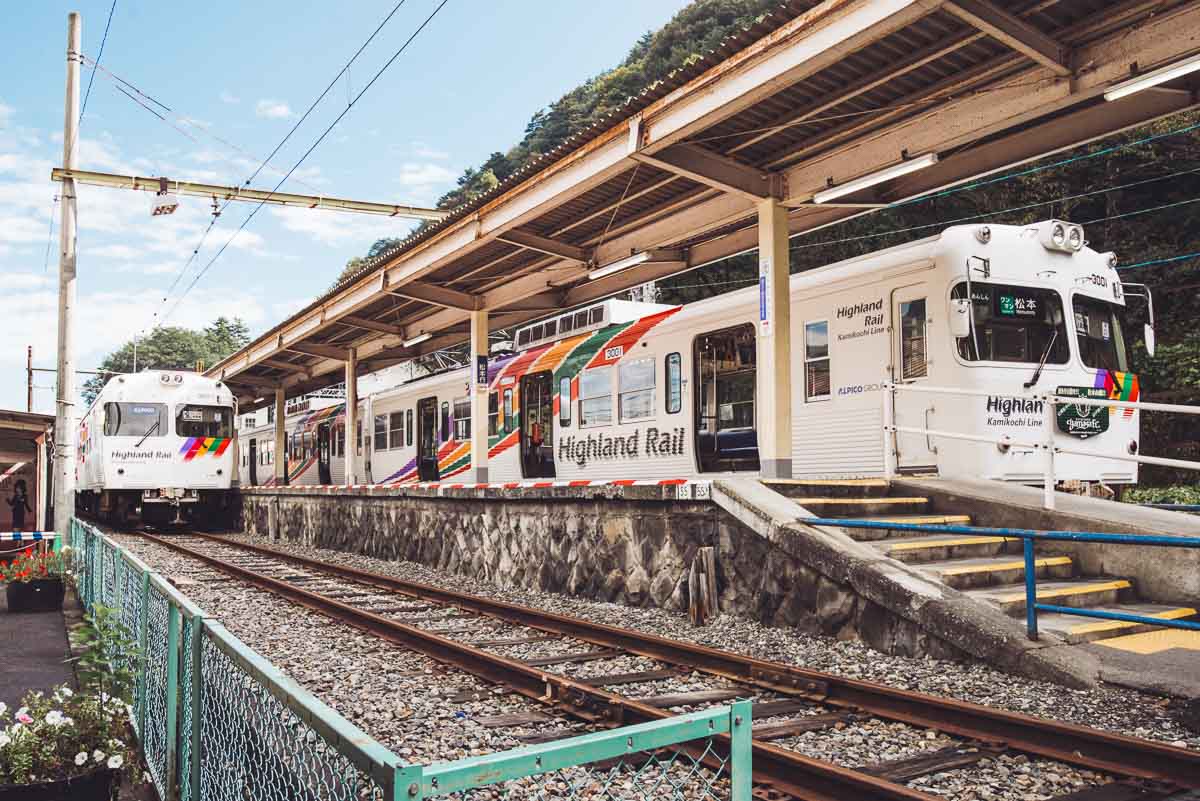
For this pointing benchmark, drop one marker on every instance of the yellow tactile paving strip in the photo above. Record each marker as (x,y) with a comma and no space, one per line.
(1019,564)
(1062,592)
(1151,642)
(920,545)
(864,501)
(1117,625)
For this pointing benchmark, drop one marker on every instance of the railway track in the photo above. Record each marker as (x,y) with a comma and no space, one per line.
(466,632)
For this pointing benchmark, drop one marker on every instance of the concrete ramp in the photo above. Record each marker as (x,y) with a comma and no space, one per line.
(859,591)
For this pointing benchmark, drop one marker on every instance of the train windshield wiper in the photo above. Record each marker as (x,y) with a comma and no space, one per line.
(1045,355)
(149,431)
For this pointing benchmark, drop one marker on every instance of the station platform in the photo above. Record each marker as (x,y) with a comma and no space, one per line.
(34,653)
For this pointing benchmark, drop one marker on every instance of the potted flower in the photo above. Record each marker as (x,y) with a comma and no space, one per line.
(35,580)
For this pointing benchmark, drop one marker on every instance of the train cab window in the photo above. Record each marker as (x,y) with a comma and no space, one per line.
(396,430)
(408,427)
(462,419)
(913,357)
(380,430)
(1014,324)
(508,410)
(445,421)
(203,421)
(564,401)
(493,415)
(635,399)
(595,397)
(1100,333)
(674,369)
(816,360)
(135,419)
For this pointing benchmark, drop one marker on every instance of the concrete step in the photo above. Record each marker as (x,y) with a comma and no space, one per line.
(1078,593)
(938,547)
(863,507)
(875,534)
(1081,629)
(993,571)
(798,488)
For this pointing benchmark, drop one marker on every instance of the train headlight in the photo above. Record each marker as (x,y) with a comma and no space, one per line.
(1058,235)
(984,234)
(1075,238)
(164,378)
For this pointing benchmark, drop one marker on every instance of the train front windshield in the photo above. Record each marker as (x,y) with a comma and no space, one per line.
(1014,324)
(1100,333)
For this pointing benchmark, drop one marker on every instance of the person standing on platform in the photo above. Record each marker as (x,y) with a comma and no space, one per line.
(20,505)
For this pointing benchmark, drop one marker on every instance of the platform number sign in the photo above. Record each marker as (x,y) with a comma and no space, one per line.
(764,297)
(1080,420)
(481,373)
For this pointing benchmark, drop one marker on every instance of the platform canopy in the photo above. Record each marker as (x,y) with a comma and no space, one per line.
(19,433)
(814,96)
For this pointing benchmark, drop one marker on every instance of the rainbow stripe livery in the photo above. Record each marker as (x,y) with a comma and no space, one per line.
(1119,386)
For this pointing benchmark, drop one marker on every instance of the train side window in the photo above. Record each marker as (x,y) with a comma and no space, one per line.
(396,430)
(913,357)
(674,367)
(445,421)
(381,438)
(816,360)
(408,427)
(595,397)
(564,401)
(339,442)
(309,444)
(635,395)
(358,437)
(508,410)
(462,419)
(493,414)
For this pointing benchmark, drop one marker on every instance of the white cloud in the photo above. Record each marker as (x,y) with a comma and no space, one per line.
(273,110)
(228,97)
(424,151)
(423,175)
(333,228)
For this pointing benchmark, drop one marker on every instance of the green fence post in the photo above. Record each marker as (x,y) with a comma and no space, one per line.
(194,651)
(143,642)
(407,786)
(741,752)
(172,700)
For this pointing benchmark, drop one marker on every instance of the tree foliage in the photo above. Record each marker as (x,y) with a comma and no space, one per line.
(173,348)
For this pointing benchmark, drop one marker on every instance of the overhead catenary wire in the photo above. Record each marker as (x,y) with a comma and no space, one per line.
(1167,260)
(99,55)
(306,154)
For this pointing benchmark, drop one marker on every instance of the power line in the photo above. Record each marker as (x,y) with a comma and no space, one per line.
(50,235)
(99,55)
(308,152)
(1184,257)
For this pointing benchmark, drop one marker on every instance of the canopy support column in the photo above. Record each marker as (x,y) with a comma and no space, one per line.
(479,396)
(774,368)
(281,477)
(350,448)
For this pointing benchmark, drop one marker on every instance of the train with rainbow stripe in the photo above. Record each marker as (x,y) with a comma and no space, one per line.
(157,447)
(620,390)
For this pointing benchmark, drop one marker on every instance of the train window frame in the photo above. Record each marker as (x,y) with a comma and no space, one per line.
(508,410)
(225,424)
(339,439)
(585,398)
(564,402)
(395,430)
(810,362)
(444,426)
(1117,323)
(905,375)
(408,427)
(494,414)
(310,444)
(358,437)
(673,383)
(110,431)
(462,424)
(379,438)
(625,372)
(964,343)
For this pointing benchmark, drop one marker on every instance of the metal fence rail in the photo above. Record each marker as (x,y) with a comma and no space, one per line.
(1029,537)
(216,721)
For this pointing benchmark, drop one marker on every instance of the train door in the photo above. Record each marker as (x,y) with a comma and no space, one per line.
(537,426)
(253,462)
(725,384)
(427,439)
(910,365)
(324,474)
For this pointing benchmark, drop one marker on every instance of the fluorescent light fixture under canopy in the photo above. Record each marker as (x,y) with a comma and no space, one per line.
(1153,78)
(418,339)
(886,174)
(652,256)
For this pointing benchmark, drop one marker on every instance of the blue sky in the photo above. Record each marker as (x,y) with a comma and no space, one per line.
(242,73)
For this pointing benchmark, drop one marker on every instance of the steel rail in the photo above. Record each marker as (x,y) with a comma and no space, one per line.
(785,771)
(1063,742)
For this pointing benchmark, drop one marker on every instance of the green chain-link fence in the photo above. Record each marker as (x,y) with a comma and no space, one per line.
(216,721)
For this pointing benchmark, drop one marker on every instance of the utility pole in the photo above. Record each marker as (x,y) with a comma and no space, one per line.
(64,408)
(29,379)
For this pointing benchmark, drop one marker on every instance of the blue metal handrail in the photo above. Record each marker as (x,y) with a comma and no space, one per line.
(1029,537)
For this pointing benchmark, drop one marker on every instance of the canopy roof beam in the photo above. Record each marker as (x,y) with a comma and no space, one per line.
(371,325)
(719,172)
(313,349)
(1014,32)
(434,295)
(542,244)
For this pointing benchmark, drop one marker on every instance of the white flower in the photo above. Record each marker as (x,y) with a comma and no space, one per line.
(54,718)
(4,740)
(115,761)
(68,721)
(81,758)
(115,744)
(66,691)
(98,755)
(3,709)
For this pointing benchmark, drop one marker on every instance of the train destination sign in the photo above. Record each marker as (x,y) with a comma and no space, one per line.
(1017,304)
(1079,420)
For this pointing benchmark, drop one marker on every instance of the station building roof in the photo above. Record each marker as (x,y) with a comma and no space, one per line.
(813,95)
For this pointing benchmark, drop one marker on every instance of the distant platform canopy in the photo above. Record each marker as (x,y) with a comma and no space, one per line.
(827,110)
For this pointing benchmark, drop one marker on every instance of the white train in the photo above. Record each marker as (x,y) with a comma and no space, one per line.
(621,390)
(157,446)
